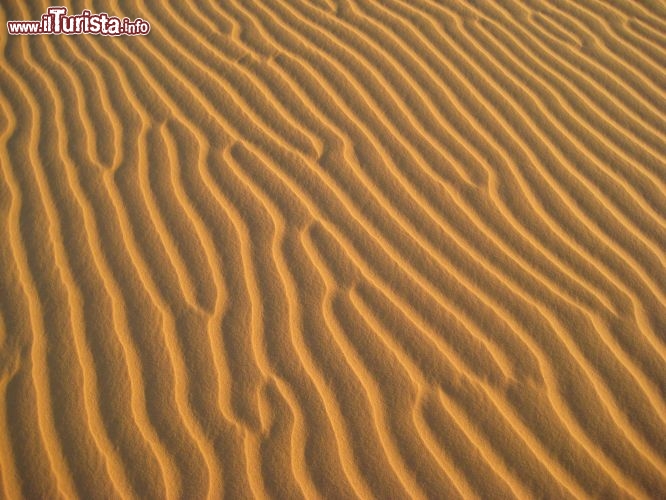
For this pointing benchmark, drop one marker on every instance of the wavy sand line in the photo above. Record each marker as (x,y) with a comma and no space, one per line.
(601,232)
(294,311)
(418,374)
(577,116)
(347,457)
(499,358)
(362,374)
(498,200)
(544,212)
(616,40)
(496,462)
(496,354)
(9,482)
(37,354)
(572,423)
(132,358)
(407,250)
(90,393)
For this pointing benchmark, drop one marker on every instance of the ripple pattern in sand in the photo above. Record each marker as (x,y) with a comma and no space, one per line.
(335,249)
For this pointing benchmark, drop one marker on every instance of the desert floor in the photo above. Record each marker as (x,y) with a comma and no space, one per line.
(335,249)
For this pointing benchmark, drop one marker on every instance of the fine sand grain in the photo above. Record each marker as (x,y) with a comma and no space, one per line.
(335,249)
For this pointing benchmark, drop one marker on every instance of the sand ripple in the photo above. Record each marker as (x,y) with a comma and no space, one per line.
(409,248)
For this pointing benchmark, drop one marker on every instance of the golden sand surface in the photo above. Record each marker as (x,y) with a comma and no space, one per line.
(335,249)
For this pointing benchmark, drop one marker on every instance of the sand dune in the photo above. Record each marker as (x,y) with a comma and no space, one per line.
(340,249)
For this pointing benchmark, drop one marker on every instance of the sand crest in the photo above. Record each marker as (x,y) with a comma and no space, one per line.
(335,249)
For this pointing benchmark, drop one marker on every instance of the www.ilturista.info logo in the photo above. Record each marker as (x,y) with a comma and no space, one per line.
(57,22)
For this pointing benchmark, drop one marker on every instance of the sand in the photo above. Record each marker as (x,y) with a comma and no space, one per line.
(335,249)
